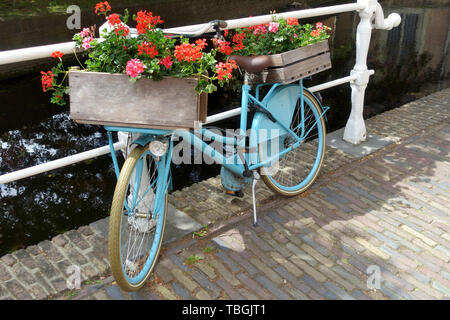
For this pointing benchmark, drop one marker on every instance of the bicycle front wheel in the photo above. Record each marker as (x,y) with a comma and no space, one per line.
(138,218)
(297,170)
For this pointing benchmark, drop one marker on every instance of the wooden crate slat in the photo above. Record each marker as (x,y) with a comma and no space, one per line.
(295,71)
(313,66)
(103,98)
(166,126)
(297,64)
(288,57)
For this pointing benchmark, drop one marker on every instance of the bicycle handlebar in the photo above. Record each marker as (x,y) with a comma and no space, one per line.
(216,25)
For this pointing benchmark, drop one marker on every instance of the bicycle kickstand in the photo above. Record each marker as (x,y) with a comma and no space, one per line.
(256,177)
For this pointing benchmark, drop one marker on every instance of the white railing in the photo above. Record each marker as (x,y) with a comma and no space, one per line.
(355,130)
(55,164)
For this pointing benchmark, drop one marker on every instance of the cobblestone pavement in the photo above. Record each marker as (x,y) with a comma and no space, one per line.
(388,212)
(385,212)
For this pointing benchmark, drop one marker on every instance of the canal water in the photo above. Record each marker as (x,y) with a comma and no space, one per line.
(410,62)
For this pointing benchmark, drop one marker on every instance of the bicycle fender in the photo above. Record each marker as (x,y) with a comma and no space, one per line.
(143,140)
(282,105)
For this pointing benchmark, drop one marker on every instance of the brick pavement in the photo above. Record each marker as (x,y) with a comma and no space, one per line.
(386,212)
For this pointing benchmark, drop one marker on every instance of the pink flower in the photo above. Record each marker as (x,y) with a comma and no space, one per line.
(260,29)
(319,25)
(85,32)
(273,27)
(167,62)
(87,42)
(135,67)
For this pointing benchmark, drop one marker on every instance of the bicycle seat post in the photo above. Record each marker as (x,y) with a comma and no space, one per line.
(246,78)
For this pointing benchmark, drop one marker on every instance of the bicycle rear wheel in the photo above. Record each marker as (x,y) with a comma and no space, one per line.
(138,218)
(297,170)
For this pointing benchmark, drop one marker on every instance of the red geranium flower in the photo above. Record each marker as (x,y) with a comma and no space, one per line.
(201,43)
(238,38)
(224,70)
(166,62)
(146,21)
(102,8)
(122,30)
(239,46)
(224,47)
(47,80)
(114,19)
(188,52)
(147,48)
(57,54)
(315,33)
(292,21)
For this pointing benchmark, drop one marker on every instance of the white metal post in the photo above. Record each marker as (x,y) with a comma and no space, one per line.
(355,129)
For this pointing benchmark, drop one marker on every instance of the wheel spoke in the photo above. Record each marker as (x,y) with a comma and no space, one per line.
(138,234)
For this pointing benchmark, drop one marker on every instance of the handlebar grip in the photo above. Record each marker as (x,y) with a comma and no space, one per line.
(221,23)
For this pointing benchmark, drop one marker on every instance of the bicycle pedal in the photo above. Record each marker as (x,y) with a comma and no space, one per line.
(238,193)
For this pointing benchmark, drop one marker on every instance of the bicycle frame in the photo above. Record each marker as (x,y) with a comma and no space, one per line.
(236,164)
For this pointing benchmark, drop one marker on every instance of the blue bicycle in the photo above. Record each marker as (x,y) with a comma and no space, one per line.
(284,146)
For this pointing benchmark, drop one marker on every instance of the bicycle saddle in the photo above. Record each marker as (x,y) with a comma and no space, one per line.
(252,64)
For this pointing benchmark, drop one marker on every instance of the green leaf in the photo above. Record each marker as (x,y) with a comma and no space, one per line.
(126,16)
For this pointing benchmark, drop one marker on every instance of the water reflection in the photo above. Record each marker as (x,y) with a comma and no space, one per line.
(34,208)
(410,61)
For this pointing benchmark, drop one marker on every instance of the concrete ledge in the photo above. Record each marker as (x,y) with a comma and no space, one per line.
(372,143)
(178,225)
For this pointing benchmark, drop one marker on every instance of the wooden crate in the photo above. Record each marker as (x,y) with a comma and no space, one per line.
(295,64)
(111,99)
